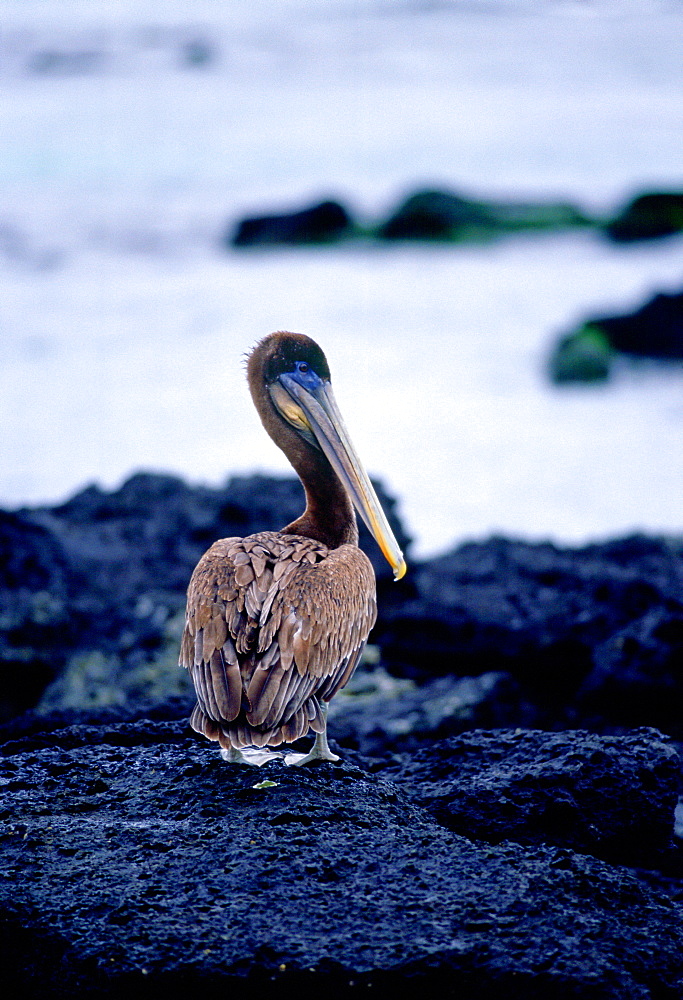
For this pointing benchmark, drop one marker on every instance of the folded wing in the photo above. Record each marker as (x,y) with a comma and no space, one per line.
(275,625)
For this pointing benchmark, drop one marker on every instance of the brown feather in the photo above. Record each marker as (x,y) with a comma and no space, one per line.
(281,694)
(262,690)
(212,709)
(233,679)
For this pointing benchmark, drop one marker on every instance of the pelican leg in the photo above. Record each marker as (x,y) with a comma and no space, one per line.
(320,749)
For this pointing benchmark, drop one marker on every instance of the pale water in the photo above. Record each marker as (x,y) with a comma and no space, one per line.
(123,322)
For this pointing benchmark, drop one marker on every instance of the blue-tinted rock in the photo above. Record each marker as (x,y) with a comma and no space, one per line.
(93,590)
(638,672)
(443,215)
(648,217)
(136,863)
(653,331)
(610,796)
(326,222)
(542,614)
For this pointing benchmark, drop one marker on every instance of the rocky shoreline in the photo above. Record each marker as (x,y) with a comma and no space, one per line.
(502,821)
(442,215)
(585,354)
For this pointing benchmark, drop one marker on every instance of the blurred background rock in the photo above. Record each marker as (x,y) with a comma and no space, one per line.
(462,186)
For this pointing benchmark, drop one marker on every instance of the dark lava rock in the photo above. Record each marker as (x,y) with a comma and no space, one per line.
(499,633)
(638,673)
(433,215)
(326,222)
(647,217)
(93,590)
(653,331)
(36,587)
(136,862)
(612,796)
(543,615)
(378,714)
(583,356)
(442,215)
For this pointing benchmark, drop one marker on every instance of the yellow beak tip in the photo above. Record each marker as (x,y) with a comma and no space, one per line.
(400,571)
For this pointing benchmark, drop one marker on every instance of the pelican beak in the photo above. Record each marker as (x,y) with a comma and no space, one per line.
(315,414)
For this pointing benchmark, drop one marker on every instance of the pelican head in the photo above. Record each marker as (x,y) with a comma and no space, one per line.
(296,378)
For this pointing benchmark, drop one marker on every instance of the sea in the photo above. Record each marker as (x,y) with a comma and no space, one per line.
(134,135)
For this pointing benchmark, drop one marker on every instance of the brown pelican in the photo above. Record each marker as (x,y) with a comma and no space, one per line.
(276,622)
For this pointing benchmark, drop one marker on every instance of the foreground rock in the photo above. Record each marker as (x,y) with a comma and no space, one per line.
(378,714)
(609,796)
(497,863)
(93,590)
(591,636)
(138,863)
(497,633)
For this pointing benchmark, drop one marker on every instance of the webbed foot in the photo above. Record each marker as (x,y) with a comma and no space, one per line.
(297,759)
(250,755)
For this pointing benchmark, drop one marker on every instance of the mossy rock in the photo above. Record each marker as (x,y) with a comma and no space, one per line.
(653,331)
(445,216)
(649,216)
(95,680)
(522,216)
(584,356)
(435,215)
